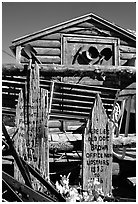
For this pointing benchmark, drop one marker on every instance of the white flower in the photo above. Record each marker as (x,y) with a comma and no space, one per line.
(99,199)
(59,187)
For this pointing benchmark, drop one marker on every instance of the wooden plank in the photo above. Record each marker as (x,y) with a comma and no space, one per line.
(17,159)
(45,59)
(127,49)
(81,86)
(71,70)
(35,113)
(77,103)
(84,81)
(48,51)
(18,53)
(122,62)
(8,111)
(20,139)
(53,36)
(49,136)
(51,96)
(67,116)
(81,97)
(54,124)
(126,56)
(121,140)
(62,101)
(86,31)
(45,43)
(13,84)
(72,30)
(128,43)
(44,146)
(78,136)
(33,196)
(91,40)
(10,90)
(62,137)
(85,25)
(85,92)
(70,137)
(81,31)
(78,109)
(55,137)
(97,149)
(68,112)
(18,78)
(128,116)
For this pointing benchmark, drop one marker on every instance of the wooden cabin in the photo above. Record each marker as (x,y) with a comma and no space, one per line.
(77,58)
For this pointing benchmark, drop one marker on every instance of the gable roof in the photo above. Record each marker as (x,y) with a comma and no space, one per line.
(72,22)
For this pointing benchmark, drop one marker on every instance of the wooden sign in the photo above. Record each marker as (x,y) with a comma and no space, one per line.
(97,149)
(37,133)
(32,120)
(19,139)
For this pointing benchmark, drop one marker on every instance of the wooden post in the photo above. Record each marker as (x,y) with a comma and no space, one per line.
(127,123)
(51,96)
(97,149)
(128,116)
(44,153)
(20,139)
(18,53)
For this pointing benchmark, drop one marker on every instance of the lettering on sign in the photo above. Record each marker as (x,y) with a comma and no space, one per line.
(31,141)
(97,149)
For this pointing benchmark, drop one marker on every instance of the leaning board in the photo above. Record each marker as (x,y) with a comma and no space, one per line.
(97,149)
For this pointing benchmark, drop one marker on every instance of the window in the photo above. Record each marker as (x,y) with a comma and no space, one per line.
(90,50)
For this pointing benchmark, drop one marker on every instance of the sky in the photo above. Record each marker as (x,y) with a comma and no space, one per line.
(21,18)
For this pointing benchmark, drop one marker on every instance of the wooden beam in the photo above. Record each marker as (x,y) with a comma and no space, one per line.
(30,195)
(16,157)
(12,69)
(70,70)
(69,146)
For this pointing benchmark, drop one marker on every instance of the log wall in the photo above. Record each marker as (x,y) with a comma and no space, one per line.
(49,51)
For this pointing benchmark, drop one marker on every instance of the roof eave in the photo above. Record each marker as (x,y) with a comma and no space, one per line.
(71,22)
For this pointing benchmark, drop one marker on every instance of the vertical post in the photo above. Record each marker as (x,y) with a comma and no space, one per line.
(128,116)
(18,53)
(122,114)
(127,123)
(45,141)
(51,97)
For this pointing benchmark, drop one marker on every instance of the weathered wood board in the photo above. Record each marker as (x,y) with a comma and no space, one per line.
(32,122)
(97,149)
(20,138)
